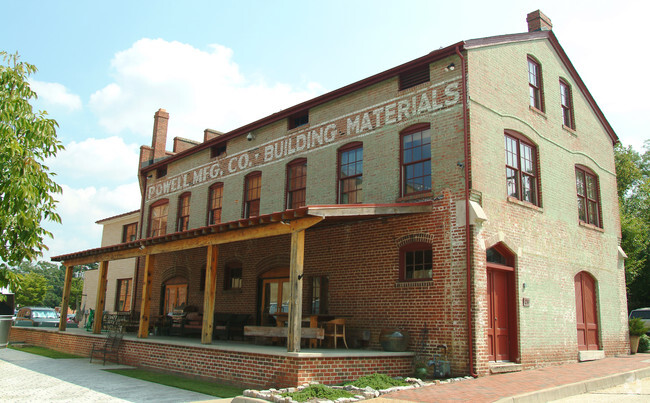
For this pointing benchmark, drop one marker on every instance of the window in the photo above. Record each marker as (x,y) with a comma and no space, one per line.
(217,150)
(416,262)
(129,232)
(588,196)
(296,183)
(123,303)
(162,171)
(521,169)
(158,218)
(351,173)
(233,276)
(319,294)
(252,193)
(184,212)
(416,159)
(535,84)
(414,77)
(566,100)
(215,198)
(175,294)
(298,119)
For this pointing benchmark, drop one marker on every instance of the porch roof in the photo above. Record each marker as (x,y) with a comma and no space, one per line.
(280,223)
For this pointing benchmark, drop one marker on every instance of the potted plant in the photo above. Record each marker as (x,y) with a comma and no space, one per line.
(637,329)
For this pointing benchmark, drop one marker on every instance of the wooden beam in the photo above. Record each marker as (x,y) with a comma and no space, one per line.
(295,299)
(63,321)
(218,238)
(101,297)
(210,293)
(145,306)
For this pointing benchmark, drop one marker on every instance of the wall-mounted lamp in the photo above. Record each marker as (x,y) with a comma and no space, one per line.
(450,67)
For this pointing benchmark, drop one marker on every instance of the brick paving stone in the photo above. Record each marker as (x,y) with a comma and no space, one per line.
(495,387)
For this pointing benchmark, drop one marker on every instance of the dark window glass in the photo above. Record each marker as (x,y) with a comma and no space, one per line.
(252,193)
(296,184)
(535,84)
(351,175)
(184,212)
(214,203)
(588,197)
(416,162)
(521,169)
(566,100)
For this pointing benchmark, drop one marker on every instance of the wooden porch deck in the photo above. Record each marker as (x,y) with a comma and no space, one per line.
(236,362)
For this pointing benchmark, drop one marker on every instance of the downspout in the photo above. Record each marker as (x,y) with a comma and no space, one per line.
(468,231)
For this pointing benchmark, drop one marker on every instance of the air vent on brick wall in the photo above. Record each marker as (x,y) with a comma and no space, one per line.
(414,77)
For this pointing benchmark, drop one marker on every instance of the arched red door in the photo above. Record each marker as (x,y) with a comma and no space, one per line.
(502,315)
(586,314)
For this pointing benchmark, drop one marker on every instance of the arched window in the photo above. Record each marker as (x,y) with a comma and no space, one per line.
(252,194)
(521,168)
(158,217)
(535,84)
(350,173)
(415,157)
(215,198)
(566,101)
(296,183)
(416,262)
(183,220)
(587,187)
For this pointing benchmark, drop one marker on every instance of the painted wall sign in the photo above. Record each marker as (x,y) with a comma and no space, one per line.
(359,123)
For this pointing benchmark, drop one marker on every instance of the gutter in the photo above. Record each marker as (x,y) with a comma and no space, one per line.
(468,231)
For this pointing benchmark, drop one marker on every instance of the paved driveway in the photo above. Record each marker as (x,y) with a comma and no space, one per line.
(28,377)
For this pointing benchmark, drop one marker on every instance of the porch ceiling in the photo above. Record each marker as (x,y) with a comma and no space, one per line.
(262,226)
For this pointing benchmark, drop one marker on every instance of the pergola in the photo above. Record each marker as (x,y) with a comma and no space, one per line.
(290,222)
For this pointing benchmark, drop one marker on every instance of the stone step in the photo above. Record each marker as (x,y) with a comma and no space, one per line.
(504,367)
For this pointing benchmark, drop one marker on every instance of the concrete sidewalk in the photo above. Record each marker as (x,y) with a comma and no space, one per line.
(28,377)
(538,385)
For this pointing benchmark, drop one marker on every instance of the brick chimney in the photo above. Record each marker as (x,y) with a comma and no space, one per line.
(537,21)
(160,120)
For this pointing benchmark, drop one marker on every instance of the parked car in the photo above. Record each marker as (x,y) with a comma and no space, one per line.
(644,314)
(38,316)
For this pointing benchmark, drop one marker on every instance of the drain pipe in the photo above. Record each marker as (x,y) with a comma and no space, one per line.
(468,233)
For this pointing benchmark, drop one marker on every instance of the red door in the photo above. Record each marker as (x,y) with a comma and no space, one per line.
(499,315)
(586,318)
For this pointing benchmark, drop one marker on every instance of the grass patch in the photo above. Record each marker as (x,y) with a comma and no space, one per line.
(318,392)
(45,352)
(195,385)
(377,382)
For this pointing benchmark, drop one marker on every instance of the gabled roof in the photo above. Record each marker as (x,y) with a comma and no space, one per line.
(550,36)
(103,220)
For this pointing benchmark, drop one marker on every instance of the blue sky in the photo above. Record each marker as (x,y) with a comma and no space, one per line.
(106,67)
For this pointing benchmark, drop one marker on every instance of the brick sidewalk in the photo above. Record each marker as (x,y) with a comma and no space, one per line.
(495,387)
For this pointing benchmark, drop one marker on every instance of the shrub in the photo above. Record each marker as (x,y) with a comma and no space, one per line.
(644,344)
(637,327)
(318,392)
(377,382)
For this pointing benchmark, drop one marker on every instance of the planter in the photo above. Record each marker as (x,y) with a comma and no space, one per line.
(634,344)
(394,339)
(5,326)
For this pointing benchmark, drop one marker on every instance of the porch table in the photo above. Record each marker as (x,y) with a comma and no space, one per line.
(313,319)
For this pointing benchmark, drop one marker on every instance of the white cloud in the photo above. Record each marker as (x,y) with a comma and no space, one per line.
(80,208)
(200,89)
(109,159)
(56,95)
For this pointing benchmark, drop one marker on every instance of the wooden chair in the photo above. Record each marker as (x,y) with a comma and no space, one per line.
(110,347)
(335,329)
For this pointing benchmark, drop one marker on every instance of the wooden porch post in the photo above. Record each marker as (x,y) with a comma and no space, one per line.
(101,297)
(63,321)
(210,293)
(143,330)
(295,280)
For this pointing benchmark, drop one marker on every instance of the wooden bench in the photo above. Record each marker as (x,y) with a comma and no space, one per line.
(276,331)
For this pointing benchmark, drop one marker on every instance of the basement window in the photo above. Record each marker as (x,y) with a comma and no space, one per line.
(414,77)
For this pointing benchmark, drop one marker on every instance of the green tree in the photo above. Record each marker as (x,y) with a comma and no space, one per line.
(26,184)
(32,290)
(633,178)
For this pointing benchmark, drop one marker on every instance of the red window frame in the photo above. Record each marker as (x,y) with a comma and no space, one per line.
(252,194)
(183,220)
(588,191)
(130,232)
(415,159)
(522,179)
(566,101)
(350,173)
(296,186)
(416,257)
(158,225)
(215,203)
(535,84)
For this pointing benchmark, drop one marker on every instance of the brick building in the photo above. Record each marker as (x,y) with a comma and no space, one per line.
(467,196)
